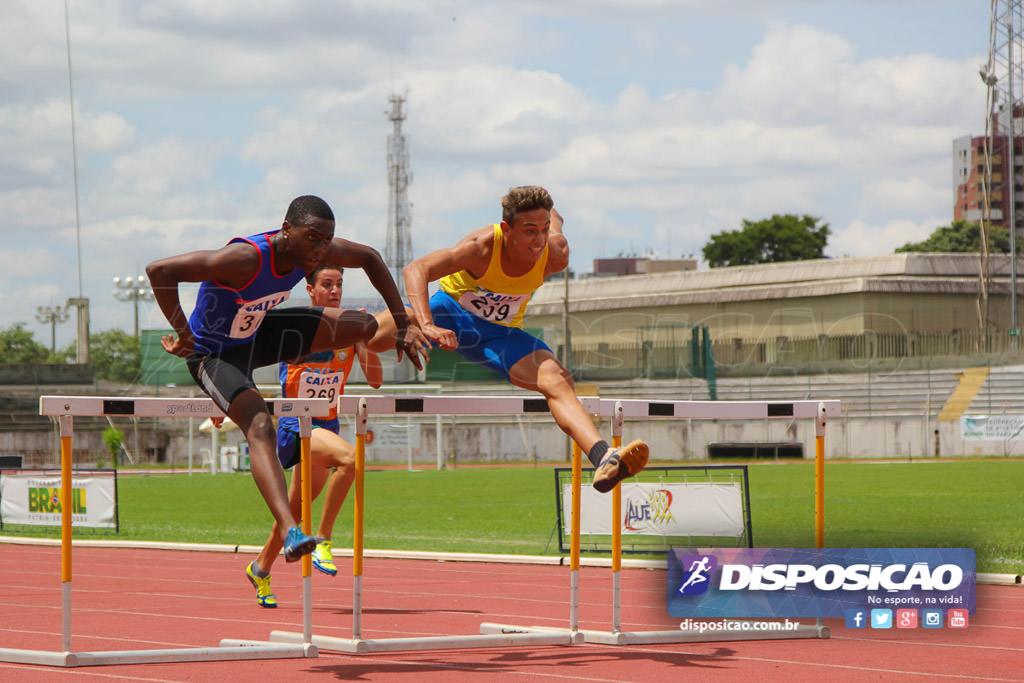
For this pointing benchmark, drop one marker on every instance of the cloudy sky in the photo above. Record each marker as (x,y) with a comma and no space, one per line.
(654,123)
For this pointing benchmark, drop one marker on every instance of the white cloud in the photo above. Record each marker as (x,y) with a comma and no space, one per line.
(859,238)
(162,168)
(199,121)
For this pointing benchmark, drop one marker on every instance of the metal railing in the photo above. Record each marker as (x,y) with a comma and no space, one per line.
(663,359)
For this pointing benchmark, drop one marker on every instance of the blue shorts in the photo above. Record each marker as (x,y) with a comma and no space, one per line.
(493,346)
(289,451)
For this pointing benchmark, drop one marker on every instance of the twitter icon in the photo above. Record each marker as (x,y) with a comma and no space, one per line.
(881,618)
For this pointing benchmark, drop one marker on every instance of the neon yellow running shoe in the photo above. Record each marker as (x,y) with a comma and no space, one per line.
(322,558)
(264,597)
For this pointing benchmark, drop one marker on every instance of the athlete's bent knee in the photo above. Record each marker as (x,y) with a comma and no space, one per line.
(262,427)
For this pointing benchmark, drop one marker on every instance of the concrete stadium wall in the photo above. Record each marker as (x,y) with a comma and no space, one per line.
(500,441)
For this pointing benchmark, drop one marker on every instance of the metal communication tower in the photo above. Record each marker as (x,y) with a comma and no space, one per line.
(1004,78)
(398,250)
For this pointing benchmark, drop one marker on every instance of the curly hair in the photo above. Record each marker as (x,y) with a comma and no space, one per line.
(524,198)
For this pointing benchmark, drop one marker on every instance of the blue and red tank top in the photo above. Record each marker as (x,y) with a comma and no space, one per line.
(225,317)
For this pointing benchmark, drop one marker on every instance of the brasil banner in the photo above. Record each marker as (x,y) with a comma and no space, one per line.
(35,500)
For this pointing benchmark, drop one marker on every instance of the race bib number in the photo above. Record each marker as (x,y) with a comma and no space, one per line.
(251,314)
(493,307)
(320,385)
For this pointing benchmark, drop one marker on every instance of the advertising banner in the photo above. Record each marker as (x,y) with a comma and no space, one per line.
(991,427)
(663,509)
(35,500)
(396,436)
(857,583)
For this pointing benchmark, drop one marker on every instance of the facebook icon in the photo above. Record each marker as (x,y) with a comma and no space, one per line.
(856,618)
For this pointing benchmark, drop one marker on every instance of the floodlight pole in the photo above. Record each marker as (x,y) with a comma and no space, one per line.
(52,315)
(134,290)
(1011,137)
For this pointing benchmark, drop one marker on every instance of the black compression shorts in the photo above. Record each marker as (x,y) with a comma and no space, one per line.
(286,334)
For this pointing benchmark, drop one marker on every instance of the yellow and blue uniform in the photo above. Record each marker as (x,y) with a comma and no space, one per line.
(486,312)
(319,375)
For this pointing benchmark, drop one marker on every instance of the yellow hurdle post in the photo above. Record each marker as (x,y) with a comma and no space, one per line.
(66,429)
(819,478)
(307,490)
(306,468)
(357,526)
(617,420)
(574,554)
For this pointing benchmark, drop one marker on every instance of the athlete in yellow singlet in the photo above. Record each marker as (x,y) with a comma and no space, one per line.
(486,281)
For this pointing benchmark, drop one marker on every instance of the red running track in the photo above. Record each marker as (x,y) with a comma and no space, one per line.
(126,599)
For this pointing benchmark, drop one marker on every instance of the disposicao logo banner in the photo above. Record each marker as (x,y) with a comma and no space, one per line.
(817,582)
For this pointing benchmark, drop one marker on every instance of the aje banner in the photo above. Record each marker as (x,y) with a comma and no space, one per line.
(35,500)
(668,509)
(818,582)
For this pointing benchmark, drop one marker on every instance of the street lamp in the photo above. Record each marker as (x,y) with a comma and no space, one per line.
(135,290)
(52,315)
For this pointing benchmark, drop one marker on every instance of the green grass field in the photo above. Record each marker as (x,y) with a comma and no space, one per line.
(973,503)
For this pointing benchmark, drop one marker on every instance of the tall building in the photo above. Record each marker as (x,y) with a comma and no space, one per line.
(969,178)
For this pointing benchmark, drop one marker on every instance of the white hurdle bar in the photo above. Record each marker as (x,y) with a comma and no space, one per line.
(819,411)
(65,408)
(361,407)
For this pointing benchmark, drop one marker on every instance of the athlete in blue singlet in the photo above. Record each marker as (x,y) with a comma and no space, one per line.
(238,325)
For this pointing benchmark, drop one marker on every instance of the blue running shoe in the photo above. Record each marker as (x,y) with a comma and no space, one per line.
(298,544)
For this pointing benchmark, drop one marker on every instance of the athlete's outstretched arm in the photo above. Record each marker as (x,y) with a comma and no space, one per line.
(369,361)
(348,254)
(558,246)
(472,253)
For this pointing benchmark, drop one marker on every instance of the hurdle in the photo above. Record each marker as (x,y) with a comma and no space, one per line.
(65,408)
(362,406)
(618,410)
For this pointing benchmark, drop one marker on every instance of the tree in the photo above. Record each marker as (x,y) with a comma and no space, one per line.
(17,345)
(113,438)
(961,237)
(114,354)
(780,238)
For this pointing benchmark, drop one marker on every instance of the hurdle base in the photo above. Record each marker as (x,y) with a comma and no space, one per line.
(228,651)
(44,657)
(506,638)
(679,636)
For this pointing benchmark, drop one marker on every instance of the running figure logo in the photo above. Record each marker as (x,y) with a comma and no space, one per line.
(696,573)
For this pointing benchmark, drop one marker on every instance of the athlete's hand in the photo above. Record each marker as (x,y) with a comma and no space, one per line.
(441,336)
(181,346)
(410,341)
